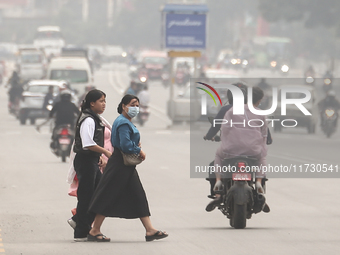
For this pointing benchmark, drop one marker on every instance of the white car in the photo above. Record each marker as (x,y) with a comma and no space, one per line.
(31,105)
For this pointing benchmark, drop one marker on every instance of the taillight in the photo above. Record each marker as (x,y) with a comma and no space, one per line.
(64,131)
(241,165)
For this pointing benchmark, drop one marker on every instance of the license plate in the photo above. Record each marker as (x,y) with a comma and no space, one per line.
(64,141)
(241,177)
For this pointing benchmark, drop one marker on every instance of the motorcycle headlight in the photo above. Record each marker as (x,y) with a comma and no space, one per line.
(327,81)
(273,64)
(309,79)
(49,107)
(143,79)
(233,61)
(329,113)
(285,68)
(245,62)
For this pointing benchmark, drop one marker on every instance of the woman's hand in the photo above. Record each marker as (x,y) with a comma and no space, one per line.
(102,162)
(140,145)
(142,155)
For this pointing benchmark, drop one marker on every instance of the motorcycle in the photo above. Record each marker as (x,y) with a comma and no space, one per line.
(143,76)
(327,85)
(143,115)
(329,121)
(63,137)
(239,198)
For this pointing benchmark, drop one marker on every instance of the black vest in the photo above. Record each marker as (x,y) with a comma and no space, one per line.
(98,133)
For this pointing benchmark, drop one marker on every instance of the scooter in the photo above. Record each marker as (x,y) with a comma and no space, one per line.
(63,137)
(143,114)
(329,121)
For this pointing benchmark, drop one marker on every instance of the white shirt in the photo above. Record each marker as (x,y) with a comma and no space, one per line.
(144,97)
(87,132)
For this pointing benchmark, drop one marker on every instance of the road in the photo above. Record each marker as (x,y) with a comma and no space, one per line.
(34,205)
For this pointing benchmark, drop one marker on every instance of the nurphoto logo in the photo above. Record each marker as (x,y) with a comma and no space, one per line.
(238,99)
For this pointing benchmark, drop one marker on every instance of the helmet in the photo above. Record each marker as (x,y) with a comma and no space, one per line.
(65,94)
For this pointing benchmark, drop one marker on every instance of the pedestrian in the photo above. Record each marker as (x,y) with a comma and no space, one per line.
(120,192)
(72,176)
(88,146)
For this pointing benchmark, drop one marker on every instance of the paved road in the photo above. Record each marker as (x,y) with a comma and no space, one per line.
(34,204)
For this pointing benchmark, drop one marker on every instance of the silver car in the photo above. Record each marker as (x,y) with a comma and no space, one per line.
(31,105)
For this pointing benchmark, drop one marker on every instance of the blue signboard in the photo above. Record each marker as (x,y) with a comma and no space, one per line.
(185,31)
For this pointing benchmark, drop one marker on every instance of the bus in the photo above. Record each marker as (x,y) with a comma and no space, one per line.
(268,49)
(50,39)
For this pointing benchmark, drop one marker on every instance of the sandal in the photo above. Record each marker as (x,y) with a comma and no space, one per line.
(158,235)
(91,238)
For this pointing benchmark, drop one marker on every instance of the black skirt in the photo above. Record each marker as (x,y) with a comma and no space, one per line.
(120,192)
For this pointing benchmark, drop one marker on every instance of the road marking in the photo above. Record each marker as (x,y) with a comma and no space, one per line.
(163,132)
(13,133)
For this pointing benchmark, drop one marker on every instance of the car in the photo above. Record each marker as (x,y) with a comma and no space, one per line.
(294,113)
(154,62)
(31,64)
(187,105)
(31,104)
(76,70)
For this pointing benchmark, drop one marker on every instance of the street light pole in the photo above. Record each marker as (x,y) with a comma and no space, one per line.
(85,11)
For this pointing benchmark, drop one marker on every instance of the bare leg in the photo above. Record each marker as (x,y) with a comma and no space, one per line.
(150,230)
(97,223)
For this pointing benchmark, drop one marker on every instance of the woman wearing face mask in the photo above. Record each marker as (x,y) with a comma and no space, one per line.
(120,192)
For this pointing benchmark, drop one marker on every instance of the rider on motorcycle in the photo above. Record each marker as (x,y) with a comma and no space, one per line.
(310,72)
(329,101)
(16,89)
(66,112)
(214,130)
(254,140)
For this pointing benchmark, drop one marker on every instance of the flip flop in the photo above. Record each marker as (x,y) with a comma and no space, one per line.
(158,235)
(91,238)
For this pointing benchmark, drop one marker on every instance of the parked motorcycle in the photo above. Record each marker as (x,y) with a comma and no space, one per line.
(63,137)
(329,121)
(143,114)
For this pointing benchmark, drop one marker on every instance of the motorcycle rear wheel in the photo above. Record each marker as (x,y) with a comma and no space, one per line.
(239,217)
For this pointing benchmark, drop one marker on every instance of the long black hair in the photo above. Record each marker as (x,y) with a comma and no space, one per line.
(125,100)
(91,96)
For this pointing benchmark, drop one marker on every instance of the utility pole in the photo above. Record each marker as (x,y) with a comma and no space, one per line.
(110,7)
(85,12)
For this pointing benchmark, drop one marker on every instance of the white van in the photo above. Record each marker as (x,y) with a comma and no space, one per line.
(31,64)
(76,70)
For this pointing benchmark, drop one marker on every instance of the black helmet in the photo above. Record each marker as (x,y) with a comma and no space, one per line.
(65,95)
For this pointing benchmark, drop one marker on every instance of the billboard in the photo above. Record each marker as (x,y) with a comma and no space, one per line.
(185,31)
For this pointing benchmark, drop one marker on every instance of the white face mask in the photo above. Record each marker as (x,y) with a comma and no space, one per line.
(133,111)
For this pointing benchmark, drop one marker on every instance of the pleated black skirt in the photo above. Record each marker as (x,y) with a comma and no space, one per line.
(120,192)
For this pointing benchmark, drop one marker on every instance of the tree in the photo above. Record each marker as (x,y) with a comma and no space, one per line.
(313,13)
